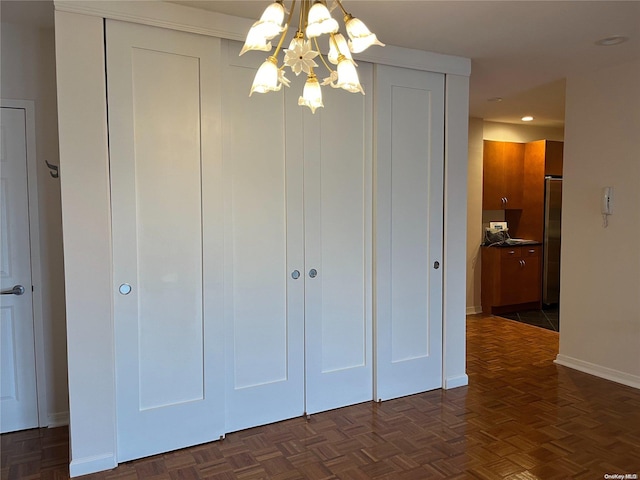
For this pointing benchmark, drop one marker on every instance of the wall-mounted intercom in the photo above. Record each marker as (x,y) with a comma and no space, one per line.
(607,204)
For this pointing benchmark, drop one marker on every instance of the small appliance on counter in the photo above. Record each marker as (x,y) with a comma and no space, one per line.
(497,235)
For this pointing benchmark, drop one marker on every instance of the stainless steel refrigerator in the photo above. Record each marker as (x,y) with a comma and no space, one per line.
(552,229)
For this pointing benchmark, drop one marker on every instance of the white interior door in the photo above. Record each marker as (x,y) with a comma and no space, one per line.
(18,398)
(409,231)
(163,92)
(337,198)
(264,304)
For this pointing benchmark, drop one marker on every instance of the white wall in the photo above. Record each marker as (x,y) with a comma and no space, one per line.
(479,131)
(28,73)
(600,270)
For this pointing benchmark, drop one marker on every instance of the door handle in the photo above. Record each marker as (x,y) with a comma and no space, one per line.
(313,273)
(16,290)
(295,274)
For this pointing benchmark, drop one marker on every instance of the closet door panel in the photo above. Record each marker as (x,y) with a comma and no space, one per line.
(162,89)
(338,245)
(166,171)
(409,230)
(409,225)
(263,244)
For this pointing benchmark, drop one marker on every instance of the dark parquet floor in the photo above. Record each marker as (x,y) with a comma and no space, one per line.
(521,417)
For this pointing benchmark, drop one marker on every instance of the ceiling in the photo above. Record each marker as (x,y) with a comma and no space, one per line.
(521,51)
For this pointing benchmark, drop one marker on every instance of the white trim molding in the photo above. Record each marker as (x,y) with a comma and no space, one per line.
(455,382)
(454,263)
(163,15)
(599,371)
(58,419)
(204,22)
(85,194)
(87,465)
(473,310)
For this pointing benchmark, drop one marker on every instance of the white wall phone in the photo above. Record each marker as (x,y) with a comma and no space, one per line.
(607,204)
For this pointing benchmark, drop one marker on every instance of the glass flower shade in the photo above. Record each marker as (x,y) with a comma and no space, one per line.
(272,17)
(297,40)
(361,37)
(320,21)
(312,94)
(348,76)
(255,41)
(266,79)
(269,25)
(341,49)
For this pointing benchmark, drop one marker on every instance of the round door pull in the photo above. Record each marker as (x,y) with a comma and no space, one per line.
(313,273)
(436,264)
(295,274)
(125,289)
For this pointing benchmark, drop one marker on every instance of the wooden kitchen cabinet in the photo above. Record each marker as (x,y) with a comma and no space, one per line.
(511,278)
(503,175)
(542,157)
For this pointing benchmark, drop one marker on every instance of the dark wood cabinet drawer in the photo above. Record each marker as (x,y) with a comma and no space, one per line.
(510,252)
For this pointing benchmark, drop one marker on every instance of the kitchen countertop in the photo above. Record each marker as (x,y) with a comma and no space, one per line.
(511,243)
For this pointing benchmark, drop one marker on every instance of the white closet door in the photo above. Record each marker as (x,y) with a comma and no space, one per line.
(337,197)
(264,304)
(163,92)
(409,215)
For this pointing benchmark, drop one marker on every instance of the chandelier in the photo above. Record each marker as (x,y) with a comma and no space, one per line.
(314,20)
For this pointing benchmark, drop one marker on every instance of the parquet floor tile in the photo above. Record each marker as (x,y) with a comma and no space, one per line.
(521,418)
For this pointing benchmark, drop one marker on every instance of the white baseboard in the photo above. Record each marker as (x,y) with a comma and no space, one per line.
(599,371)
(93,464)
(455,382)
(59,419)
(474,310)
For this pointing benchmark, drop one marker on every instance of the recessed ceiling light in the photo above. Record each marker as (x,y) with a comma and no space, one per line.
(494,99)
(528,118)
(612,40)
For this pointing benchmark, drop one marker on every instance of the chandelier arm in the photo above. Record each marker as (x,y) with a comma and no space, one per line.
(335,43)
(344,12)
(315,39)
(301,28)
(285,30)
(293,6)
(284,33)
